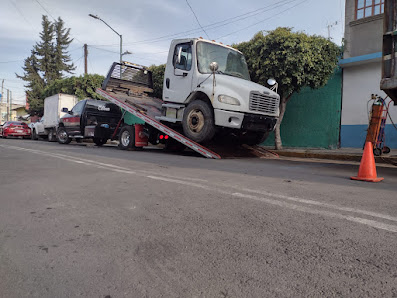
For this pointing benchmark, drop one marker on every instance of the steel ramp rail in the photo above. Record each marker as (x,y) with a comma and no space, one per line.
(159,126)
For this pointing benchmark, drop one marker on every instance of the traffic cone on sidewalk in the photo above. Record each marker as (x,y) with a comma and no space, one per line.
(367,170)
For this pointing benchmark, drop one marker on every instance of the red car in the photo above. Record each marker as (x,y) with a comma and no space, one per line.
(15,129)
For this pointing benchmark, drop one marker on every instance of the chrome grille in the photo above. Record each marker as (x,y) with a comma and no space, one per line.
(260,102)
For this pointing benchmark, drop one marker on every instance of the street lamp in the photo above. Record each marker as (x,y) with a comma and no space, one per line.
(121,39)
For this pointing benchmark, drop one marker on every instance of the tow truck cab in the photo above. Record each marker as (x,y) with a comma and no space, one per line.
(89,118)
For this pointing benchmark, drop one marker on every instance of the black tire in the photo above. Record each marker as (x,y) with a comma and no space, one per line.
(51,136)
(386,150)
(62,136)
(100,141)
(78,140)
(127,138)
(198,121)
(34,135)
(377,152)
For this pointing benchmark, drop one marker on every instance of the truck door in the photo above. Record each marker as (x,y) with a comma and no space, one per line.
(72,121)
(178,83)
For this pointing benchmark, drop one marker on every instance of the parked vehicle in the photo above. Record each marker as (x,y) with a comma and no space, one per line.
(89,119)
(15,129)
(48,124)
(207,89)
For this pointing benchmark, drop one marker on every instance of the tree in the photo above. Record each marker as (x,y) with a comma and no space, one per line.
(158,79)
(294,59)
(47,63)
(45,51)
(34,84)
(61,60)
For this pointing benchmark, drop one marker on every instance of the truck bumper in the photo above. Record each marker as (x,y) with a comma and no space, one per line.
(249,122)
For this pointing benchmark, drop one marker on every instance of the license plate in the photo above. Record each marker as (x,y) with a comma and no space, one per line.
(19,131)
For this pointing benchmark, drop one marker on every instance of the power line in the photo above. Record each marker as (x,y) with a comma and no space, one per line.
(214,25)
(12,61)
(45,10)
(197,19)
(74,38)
(263,20)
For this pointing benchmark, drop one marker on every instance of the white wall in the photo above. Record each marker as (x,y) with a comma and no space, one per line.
(359,82)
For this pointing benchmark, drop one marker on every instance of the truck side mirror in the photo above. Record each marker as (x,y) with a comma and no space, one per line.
(178,58)
(214,66)
(65,110)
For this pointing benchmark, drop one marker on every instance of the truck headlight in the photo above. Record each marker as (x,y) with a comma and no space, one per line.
(228,100)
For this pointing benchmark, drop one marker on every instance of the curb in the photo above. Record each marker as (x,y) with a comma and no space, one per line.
(342,157)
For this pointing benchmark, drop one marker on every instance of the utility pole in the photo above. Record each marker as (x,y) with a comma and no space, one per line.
(8,105)
(1,101)
(85,58)
(11,105)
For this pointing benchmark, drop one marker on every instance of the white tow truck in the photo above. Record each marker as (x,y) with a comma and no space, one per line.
(207,91)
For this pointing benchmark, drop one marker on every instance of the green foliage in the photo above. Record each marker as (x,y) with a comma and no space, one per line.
(158,79)
(294,59)
(82,87)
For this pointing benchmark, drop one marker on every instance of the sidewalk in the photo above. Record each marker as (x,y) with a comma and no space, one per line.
(346,154)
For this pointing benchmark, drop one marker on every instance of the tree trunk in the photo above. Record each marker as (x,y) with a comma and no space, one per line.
(277,135)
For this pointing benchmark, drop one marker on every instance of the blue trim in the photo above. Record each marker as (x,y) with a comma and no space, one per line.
(353,136)
(360,58)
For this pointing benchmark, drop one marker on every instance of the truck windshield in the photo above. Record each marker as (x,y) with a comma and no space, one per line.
(230,61)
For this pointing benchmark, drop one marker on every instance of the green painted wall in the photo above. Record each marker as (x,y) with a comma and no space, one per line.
(312,118)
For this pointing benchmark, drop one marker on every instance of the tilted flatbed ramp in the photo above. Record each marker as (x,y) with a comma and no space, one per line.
(147,113)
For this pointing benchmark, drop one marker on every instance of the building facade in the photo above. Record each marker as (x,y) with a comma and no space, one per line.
(362,68)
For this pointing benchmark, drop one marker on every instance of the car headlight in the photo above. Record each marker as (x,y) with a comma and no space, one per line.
(228,100)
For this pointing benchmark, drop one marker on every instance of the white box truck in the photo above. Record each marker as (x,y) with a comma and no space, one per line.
(48,125)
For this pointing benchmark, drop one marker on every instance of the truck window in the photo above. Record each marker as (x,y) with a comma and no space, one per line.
(78,108)
(230,61)
(186,56)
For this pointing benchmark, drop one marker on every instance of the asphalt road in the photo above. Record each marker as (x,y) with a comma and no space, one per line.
(80,220)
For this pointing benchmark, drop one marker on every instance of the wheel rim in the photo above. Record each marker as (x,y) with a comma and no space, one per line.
(62,135)
(125,138)
(196,120)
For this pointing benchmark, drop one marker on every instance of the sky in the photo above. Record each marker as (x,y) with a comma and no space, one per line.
(148,26)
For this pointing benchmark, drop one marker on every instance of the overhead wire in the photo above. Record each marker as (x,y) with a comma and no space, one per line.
(263,19)
(198,22)
(213,25)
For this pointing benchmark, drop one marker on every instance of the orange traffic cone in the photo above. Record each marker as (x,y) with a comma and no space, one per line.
(367,170)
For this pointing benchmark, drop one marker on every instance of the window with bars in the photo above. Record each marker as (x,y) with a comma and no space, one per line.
(367,8)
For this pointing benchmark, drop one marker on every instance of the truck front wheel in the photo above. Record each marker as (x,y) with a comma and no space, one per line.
(127,138)
(198,121)
(62,136)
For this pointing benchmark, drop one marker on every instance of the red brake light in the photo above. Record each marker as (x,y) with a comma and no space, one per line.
(161,137)
(166,137)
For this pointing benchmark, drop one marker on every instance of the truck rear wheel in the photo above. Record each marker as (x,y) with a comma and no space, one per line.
(198,121)
(127,138)
(62,136)
(51,135)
